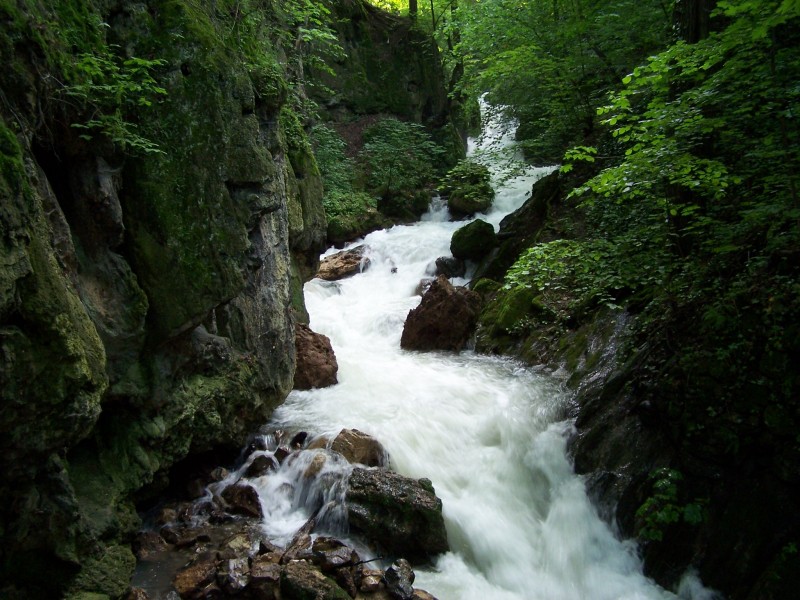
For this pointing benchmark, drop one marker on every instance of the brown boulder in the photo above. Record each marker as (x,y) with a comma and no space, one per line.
(300,579)
(193,580)
(444,320)
(343,264)
(358,447)
(243,500)
(316,362)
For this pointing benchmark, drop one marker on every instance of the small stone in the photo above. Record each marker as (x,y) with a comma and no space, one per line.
(194,578)
(234,577)
(298,440)
(399,580)
(331,554)
(136,593)
(422,595)
(166,515)
(148,543)
(371,580)
(281,453)
(260,466)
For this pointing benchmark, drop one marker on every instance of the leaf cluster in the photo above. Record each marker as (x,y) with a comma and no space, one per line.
(398,156)
(664,507)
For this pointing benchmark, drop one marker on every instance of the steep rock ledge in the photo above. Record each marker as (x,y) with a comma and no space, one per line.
(146,303)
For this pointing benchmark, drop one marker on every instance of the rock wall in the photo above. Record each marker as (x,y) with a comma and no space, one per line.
(146,301)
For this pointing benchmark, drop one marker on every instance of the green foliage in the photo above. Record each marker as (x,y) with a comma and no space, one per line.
(664,507)
(108,88)
(341,198)
(398,157)
(548,63)
(467,175)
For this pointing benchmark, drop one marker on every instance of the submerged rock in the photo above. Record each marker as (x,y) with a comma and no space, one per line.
(343,264)
(194,580)
(398,515)
(444,320)
(316,362)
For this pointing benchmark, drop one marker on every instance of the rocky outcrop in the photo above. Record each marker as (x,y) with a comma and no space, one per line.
(344,264)
(398,515)
(444,320)
(145,297)
(316,362)
(473,241)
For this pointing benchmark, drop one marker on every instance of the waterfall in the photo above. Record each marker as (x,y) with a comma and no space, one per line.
(489,432)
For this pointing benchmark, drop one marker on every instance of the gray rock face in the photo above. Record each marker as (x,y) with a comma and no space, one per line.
(400,516)
(400,580)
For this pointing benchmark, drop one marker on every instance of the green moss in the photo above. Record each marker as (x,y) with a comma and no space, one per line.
(106,575)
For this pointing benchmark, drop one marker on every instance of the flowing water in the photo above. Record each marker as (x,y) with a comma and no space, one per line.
(488,432)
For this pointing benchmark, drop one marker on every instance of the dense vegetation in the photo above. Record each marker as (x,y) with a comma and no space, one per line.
(677,126)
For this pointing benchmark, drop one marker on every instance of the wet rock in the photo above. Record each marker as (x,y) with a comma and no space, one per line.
(358,447)
(398,515)
(243,499)
(234,575)
(136,593)
(318,443)
(316,362)
(298,440)
(423,286)
(399,580)
(147,544)
(301,543)
(257,444)
(343,264)
(194,580)
(313,469)
(371,581)
(218,474)
(473,241)
(444,320)
(241,544)
(331,554)
(170,534)
(281,453)
(346,579)
(265,576)
(422,595)
(261,465)
(300,579)
(166,515)
(450,266)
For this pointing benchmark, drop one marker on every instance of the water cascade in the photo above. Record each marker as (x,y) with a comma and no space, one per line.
(488,432)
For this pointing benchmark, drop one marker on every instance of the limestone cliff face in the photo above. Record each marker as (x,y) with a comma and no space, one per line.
(146,302)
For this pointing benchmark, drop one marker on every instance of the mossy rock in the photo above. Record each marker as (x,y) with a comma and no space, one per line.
(468,189)
(473,241)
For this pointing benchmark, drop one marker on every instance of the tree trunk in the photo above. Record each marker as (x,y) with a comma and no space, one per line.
(412,9)
(693,18)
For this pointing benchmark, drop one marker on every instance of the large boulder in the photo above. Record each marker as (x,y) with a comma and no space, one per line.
(444,320)
(450,266)
(473,241)
(316,362)
(343,264)
(400,516)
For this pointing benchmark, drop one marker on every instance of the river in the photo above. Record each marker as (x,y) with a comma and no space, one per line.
(488,432)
